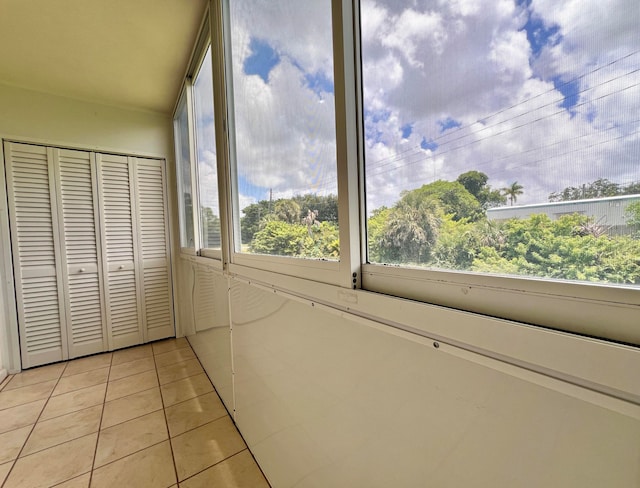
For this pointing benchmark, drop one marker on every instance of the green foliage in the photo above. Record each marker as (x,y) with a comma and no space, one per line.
(323,243)
(326,206)
(375,231)
(451,196)
(280,238)
(512,191)
(287,211)
(632,214)
(538,246)
(210,225)
(291,210)
(296,240)
(475,182)
(411,230)
(600,188)
(254,215)
(457,244)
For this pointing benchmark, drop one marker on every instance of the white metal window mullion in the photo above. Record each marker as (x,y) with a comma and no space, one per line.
(227,181)
(195,199)
(347,142)
(222,133)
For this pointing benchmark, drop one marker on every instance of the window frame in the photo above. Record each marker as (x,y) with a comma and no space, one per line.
(596,310)
(203,43)
(345,271)
(602,311)
(208,252)
(184,98)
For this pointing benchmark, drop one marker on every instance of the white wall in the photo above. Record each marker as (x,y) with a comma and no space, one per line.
(57,120)
(325,398)
(328,400)
(42,118)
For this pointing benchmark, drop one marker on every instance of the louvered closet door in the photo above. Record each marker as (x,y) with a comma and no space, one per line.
(153,245)
(120,256)
(81,266)
(36,253)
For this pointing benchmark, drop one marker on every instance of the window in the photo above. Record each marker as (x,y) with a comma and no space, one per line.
(488,150)
(183,169)
(196,156)
(281,58)
(204,128)
(476,110)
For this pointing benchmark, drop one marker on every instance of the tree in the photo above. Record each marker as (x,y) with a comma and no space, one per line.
(457,245)
(512,191)
(210,225)
(325,205)
(287,211)
(291,210)
(375,230)
(323,241)
(632,214)
(475,182)
(279,238)
(411,231)
(254,215)
(538,246)
(600,188)
(451,196)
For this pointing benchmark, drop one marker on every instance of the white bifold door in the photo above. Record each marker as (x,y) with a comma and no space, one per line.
(136,256)
(90,250)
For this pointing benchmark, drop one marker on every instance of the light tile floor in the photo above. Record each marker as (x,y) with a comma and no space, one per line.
(140,417)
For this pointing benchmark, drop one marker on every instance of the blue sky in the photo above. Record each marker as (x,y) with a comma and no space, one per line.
(423,59)
(262,60)
(467,85)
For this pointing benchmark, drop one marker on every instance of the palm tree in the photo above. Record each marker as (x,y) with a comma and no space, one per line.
(513,191)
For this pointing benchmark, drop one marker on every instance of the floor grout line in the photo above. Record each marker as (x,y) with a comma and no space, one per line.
(15,461)
(215,464)
(107,384)
(104,402)
(166,425)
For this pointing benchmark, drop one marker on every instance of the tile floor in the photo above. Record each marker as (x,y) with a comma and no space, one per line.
(140,417)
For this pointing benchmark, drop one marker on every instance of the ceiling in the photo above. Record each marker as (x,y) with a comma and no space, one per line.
(130,53)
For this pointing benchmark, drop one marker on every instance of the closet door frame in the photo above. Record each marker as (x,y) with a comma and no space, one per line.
(10,334)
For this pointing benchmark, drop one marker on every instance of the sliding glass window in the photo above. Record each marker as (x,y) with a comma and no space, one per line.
(206,160)
(281,59)
(183,169)
(503,137)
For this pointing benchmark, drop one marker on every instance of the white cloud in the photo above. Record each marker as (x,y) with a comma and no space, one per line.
(285,129)
(483,74)
(426,61)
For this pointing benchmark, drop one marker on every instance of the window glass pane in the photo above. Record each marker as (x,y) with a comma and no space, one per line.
(183,168)
(282,63)
(206,156)
(504,136)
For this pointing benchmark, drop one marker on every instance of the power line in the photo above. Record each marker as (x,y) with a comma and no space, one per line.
(520,126)
(565,141)
(398,158)
(501,111)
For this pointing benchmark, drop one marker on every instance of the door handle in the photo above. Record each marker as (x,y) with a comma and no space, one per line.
(81,270)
